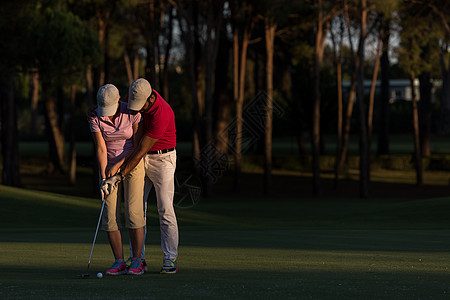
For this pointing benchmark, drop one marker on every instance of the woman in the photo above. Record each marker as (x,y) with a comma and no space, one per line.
(115,129)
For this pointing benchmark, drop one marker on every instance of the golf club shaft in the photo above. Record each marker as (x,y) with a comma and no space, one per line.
(96,231)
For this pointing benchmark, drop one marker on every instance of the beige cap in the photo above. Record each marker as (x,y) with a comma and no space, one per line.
(138,93)
(107,99)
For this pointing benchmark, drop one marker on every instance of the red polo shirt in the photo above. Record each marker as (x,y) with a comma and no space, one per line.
(159,122)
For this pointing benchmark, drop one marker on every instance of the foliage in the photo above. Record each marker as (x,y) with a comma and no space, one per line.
(15,22)
(61,38)
(64,45)
(416,35)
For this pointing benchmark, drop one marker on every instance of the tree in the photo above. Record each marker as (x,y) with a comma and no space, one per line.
(372,90)
(439,10)
(129,33)
(14,21)
(187,16)
(155,21)
(425,106)
(10,143)
(364,154)
(243,20)
(383,123)
(325,12)
(337,32)
(63,46)
(270,27)
(273,14)
(224,102)
(98,14)
(412,40)
(352,89)
(214,22)
(387,20)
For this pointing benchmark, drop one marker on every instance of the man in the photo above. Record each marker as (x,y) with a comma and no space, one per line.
(157,147)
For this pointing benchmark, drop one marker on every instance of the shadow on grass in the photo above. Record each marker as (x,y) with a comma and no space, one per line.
(282,239)
(45,283)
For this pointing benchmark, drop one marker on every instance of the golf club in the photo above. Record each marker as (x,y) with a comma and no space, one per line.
(86,275)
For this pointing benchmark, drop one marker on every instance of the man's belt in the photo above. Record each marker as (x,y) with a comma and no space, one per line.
(161,151)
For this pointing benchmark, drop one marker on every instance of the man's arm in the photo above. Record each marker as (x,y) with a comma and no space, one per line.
(138,133)
(136,155)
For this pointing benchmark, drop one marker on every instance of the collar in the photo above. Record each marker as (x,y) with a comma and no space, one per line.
(154,104)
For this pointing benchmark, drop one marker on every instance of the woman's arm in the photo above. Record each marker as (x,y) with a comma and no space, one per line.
(100,150)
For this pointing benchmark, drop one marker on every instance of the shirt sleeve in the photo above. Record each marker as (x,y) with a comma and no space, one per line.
(94,124)
(137,118)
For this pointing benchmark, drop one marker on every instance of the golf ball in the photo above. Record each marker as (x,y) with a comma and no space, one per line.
(99,275)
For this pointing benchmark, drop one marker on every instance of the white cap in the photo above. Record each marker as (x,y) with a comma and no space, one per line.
(107,99)
(138,93)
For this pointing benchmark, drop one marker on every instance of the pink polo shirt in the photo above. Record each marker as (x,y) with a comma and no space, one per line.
(159,122)
(118,136)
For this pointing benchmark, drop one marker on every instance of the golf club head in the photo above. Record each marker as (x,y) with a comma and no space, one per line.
(83,276)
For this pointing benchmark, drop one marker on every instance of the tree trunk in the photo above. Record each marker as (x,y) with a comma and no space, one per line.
(352,91)
(102,23)
(198,107)
(90,98)
(128,68)
(237,145)
(222,112)
(315,138)
(425,113)
(444,122)
(347,121)
(165,71)
(222,108)
(34,97)
(73,150)
(239,62)
(131,69)
(383,122)
(136,62)
(417,155)
(372,91)
(152,42)
(337,51)
(106,71)
(190,39)
(339,121)
(364,163)
(54,133)
(9,138)
(214,22)
(270,28)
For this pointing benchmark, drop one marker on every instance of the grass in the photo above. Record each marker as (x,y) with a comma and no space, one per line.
(288,245)
(234,248)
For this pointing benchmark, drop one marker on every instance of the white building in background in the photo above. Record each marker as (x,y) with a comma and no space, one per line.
(400,89)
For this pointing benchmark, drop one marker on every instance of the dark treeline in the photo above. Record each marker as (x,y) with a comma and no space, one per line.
(220,62)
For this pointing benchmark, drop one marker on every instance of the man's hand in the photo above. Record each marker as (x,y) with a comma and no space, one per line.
(110,184)
(113,169)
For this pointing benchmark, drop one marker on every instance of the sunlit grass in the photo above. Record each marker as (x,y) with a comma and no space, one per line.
(381,175)
(318,264)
